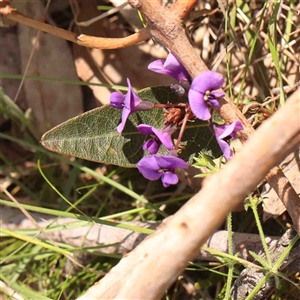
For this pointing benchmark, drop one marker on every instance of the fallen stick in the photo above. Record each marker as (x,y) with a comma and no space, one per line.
(164,255)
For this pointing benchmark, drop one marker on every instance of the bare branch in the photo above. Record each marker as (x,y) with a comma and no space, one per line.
(82,39)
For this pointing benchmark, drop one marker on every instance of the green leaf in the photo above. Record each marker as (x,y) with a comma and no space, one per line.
(9,109)
(93,135)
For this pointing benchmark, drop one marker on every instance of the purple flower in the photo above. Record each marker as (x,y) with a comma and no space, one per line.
(223,133)
(159,137)
(201,93)
(129,103)
(154,167)
(171,66)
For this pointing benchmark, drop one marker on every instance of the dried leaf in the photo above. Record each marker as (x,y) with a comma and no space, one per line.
(273,207)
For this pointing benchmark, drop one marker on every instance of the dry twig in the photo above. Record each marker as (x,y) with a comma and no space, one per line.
(81,39)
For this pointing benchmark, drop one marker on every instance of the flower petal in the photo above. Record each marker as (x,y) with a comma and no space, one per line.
(198,105)
(152,146)
(169,178)
(207,81)
(157,66)
(145,129)
(225,148)
(164,137)
(149,168)
(217,94)
(153,167)
(125,114)
(168,162)
(171,66)
(214,102)
(175,67)
(238,126)
(130,104)
(117,100)
(178,89)
(230,130)
(131,99)
(225,132)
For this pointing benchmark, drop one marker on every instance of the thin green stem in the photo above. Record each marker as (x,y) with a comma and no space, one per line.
(254,203)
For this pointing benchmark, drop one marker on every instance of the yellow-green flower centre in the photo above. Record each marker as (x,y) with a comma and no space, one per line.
(206,95)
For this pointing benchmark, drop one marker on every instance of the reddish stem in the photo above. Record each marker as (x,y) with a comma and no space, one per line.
(182,129)
(170,105)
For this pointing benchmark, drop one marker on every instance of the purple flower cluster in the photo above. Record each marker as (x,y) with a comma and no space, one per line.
(129,104)
(225,132)
(158,166)
(202,94)
(158,137)
(154,166)
(171,66)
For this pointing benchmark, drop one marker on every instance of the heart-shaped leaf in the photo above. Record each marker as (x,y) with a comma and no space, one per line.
(93,135)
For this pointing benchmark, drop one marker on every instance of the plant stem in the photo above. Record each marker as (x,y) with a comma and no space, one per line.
(81,39)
